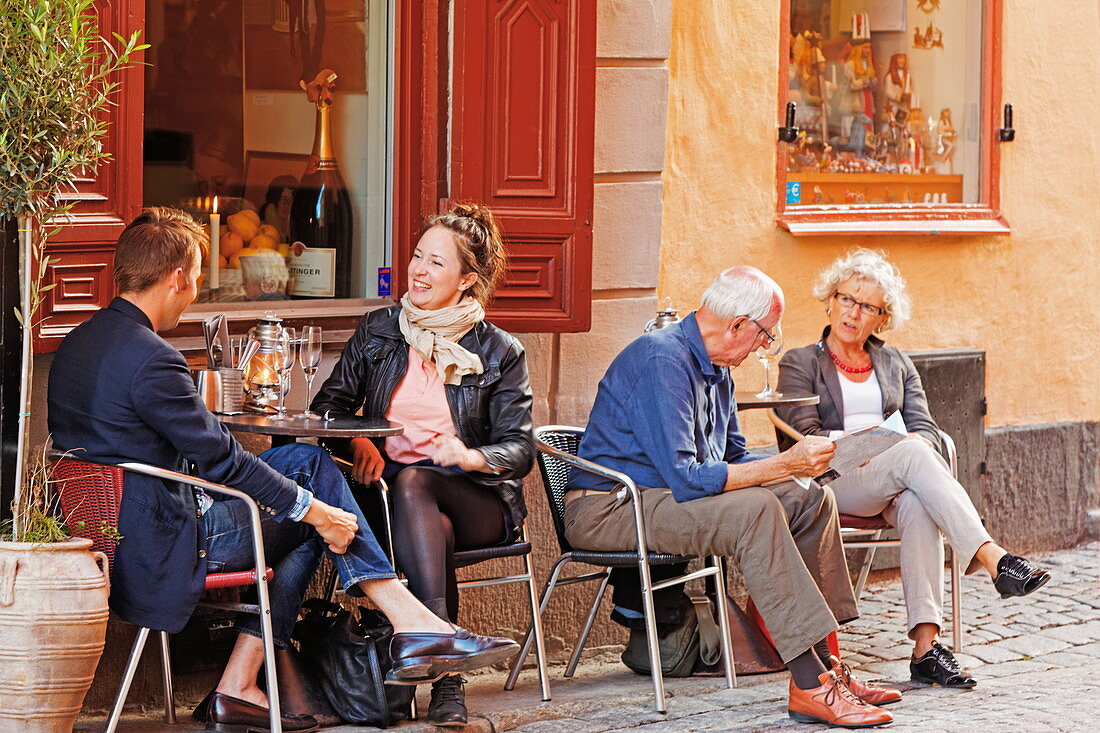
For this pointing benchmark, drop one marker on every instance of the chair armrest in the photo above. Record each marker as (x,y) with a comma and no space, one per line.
(950,453)
(620,479)
(183,478)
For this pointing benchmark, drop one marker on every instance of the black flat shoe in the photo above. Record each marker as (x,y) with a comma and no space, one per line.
(199,713)
(1017,577)
(227,714)
(939,667)
(420,656)
(448,705)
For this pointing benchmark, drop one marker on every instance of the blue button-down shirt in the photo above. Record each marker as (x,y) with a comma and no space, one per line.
(665,416)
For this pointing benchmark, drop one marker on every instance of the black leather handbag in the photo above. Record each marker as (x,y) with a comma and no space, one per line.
(350,657)
(693,647)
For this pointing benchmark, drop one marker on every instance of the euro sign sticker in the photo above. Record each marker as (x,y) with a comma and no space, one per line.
(383,282)
(794,192)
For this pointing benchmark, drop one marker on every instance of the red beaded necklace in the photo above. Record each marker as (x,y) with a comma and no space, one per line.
(841,365)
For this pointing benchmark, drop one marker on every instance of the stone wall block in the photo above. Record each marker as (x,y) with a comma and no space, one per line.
(539,349)
(586,356)
(631,109)
(626,235)
(1041,482)
(633,28)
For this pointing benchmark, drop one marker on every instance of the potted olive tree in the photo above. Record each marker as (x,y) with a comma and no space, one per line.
(57,78)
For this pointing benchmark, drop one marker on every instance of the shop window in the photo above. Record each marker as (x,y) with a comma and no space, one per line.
(277,113)
(893,105)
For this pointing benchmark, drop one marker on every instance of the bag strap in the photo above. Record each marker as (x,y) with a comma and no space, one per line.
(710,647)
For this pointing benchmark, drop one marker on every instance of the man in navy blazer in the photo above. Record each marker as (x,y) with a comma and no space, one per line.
(119,392)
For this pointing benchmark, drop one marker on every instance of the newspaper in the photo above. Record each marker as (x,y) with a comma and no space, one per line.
(855,449)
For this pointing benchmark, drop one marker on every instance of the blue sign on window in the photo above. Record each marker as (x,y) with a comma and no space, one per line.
(383,282)
(794,192)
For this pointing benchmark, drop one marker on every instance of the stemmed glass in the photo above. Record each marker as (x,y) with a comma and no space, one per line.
(284,362)
(309,357)
(767,354)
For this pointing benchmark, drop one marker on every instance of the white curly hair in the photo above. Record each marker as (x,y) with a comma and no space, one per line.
(870,265)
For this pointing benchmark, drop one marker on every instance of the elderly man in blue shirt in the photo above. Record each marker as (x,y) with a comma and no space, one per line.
(665,415)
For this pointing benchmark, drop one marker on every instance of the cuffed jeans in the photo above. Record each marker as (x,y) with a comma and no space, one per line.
(912,487)
(292,549)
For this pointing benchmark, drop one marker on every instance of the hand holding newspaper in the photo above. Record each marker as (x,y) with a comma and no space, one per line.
(854,450)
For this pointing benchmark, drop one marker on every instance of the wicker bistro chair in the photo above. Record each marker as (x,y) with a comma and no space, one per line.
(557,446)
(866,533)
(92,493)
(520,548)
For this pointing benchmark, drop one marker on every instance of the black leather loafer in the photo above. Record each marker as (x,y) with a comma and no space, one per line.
(939,667)
(426,655)
(448,705)
(199,713)
(226,714)
(1017,577)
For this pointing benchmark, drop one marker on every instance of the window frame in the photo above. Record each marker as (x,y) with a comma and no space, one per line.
(983,218)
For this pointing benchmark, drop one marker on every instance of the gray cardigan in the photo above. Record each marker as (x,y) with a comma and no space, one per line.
(810,370)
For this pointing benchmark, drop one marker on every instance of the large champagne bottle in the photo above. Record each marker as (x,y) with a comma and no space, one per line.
(320,217)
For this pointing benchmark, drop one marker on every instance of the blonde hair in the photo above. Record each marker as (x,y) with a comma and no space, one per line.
(870,265)
(480,245)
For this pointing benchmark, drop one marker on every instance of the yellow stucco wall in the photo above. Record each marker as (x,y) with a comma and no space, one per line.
(1029,299)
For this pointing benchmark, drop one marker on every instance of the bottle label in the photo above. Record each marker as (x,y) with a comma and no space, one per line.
(313,271)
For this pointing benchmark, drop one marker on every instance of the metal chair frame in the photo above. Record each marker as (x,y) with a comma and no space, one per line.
(640,556)
(527,576)
(260,576)
(871,538)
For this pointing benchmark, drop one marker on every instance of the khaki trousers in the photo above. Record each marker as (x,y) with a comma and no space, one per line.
(784,539)
(912,487)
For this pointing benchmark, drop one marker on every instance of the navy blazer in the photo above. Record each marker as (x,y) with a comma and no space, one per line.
(119,392)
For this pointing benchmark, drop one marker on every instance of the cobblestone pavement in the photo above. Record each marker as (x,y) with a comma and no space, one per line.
(1036,659)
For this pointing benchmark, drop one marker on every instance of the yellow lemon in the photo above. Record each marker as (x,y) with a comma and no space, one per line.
(270,231)
(235,260)
(251,214)
(262,241)
(230,244)
(283,249)
(244,225)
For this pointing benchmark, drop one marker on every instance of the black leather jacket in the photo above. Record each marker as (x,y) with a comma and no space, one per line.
(491,411)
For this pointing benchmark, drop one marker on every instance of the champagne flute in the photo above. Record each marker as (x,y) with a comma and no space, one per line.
(309,357)
(767,354)
(284,361)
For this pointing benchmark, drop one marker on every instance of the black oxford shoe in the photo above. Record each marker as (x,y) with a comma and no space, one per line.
(427,656)
(225,714)
(938,666)
(448,705)
(1017,577)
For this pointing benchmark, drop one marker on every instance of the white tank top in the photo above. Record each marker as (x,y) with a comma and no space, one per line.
(862,402)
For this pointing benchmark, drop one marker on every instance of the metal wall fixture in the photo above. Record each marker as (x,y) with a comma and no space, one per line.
(1007,133)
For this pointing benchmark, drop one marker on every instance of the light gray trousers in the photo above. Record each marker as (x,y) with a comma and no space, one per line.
(912,487)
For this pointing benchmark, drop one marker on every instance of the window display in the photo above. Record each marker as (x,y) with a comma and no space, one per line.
(887,96)
(268,120)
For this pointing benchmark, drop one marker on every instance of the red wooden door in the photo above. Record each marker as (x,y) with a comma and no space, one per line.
(522,131)
(105,203)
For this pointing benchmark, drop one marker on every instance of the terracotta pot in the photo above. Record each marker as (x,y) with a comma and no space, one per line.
(53,620)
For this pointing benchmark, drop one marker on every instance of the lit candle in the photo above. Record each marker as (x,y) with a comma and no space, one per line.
(215,246)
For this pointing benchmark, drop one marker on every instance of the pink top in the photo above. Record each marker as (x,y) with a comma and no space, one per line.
(419,403)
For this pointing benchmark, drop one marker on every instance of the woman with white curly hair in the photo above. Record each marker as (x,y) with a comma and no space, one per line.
(861,380)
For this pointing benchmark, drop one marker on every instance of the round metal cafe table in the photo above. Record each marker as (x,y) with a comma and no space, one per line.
(294,426)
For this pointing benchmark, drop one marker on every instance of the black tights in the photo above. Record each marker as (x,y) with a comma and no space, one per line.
(435,512)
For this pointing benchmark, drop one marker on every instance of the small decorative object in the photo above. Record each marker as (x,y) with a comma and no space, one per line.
(945,137)
(930,37)
(928,6)
(265,276)
(215,247)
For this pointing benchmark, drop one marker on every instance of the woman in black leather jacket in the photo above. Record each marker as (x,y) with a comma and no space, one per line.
(463,394)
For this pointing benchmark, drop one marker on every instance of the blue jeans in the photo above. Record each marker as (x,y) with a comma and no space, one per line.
(292,549)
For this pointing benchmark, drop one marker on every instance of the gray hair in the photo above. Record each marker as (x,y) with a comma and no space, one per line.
(869,265)
(742,291)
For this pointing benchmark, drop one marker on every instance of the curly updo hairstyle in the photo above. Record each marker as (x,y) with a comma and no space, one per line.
(480,245)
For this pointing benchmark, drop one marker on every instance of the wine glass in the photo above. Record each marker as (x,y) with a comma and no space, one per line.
(767,354)
(284,361)
(309,357)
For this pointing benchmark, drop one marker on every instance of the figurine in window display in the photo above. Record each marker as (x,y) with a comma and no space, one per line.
(945,137)
(816,88)
(898,88)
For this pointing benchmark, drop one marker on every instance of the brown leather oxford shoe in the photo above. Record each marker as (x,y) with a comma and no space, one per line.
(870,694)
(226,714)
(420,656)
(833,704)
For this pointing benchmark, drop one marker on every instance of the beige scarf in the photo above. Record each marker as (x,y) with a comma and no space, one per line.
(434,335)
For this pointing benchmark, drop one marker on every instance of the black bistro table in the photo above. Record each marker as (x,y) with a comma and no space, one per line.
(294,427)
(747,400)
